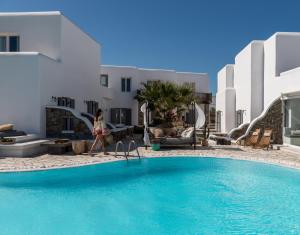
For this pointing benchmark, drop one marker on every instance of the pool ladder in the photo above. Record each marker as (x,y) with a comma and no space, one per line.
(126,155)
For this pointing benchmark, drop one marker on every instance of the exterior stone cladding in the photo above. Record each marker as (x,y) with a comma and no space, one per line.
(239,132)
(55,125)
(272,120)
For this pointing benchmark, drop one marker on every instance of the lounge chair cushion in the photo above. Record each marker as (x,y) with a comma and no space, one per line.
(170,132)
(157,132)
(188,133)
(6,127)
(176,141)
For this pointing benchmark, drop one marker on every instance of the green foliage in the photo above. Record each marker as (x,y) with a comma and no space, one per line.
(166,100)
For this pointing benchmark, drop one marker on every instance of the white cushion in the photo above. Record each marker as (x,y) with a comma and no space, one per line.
(188,132)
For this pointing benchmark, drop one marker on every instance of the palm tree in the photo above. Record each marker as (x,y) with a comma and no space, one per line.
(166,100)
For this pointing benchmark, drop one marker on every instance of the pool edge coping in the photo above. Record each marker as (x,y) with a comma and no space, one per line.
(241,158)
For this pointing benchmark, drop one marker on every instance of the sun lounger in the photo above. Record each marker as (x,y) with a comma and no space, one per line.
(252,140)
(186,138)
(265,140)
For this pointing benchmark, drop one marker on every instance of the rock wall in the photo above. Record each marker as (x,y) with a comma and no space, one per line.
(55,125)
(239,132)
(272,120)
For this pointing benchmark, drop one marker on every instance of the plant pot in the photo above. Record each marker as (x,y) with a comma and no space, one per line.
(204,143)
(155,147)
(78,146)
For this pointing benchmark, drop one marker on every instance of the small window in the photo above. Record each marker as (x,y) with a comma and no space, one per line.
(218,121)
(104,80)
(92,107)
(66,102)
(14,43)
(9,43)
(68,124)
(3,44)
(191,85)
(126,84)
(239,117)
(121,116)
(123,84)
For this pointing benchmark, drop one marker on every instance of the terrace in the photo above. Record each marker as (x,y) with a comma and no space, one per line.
(286,156)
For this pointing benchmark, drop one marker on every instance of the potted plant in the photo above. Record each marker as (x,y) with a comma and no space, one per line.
(7,140)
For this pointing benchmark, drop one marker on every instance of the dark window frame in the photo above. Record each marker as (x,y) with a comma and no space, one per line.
(121,116)
(239,117)
(126,84)
(4,43)
(105,77)
(68,123)
(9,44)
(66,102)
(218,120)
(16,47)
(92,106)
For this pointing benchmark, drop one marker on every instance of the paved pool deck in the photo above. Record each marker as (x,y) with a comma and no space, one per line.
(286,156)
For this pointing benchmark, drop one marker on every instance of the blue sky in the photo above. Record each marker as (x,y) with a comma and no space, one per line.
(186,35)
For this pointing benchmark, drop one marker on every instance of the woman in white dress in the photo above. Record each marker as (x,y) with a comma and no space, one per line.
(100,131)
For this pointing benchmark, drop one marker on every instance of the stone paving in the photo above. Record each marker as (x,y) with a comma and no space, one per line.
(285,157)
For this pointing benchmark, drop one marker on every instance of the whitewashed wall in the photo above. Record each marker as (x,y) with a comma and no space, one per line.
(248,80)
(39,32)
(76,74)
(19,91)
(282,62)
(225,97)
(225,77)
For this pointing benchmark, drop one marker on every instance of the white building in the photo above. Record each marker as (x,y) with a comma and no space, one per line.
(125,81)
(46,60)
(265,71)
(225,99)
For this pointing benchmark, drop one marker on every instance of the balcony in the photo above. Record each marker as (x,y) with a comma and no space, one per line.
(204,98)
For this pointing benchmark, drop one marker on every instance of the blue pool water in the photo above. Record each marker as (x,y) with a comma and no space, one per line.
(153,196)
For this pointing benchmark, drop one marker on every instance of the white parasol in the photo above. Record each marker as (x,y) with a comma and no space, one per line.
(146,135)
(201,117)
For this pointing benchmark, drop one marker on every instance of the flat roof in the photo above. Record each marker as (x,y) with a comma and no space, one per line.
(30,13)
(49,13)
(152,69)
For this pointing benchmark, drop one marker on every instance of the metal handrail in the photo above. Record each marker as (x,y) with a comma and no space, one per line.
(136,148)
(116,150)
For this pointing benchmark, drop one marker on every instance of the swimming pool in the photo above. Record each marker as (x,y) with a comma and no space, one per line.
(153,196)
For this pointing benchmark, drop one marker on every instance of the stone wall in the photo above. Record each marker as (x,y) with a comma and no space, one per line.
(239,132)
(272,120)
(55,125)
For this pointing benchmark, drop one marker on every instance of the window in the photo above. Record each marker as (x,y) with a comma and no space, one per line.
(104,80)
(14,43)
(121,116)
(190,84)
(9,43)
(66,102)
(2,43)
(68,124)
(92,107)
(218,121)
(239,117)
(126,84)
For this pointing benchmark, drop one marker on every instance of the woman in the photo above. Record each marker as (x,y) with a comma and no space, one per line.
(100,131)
